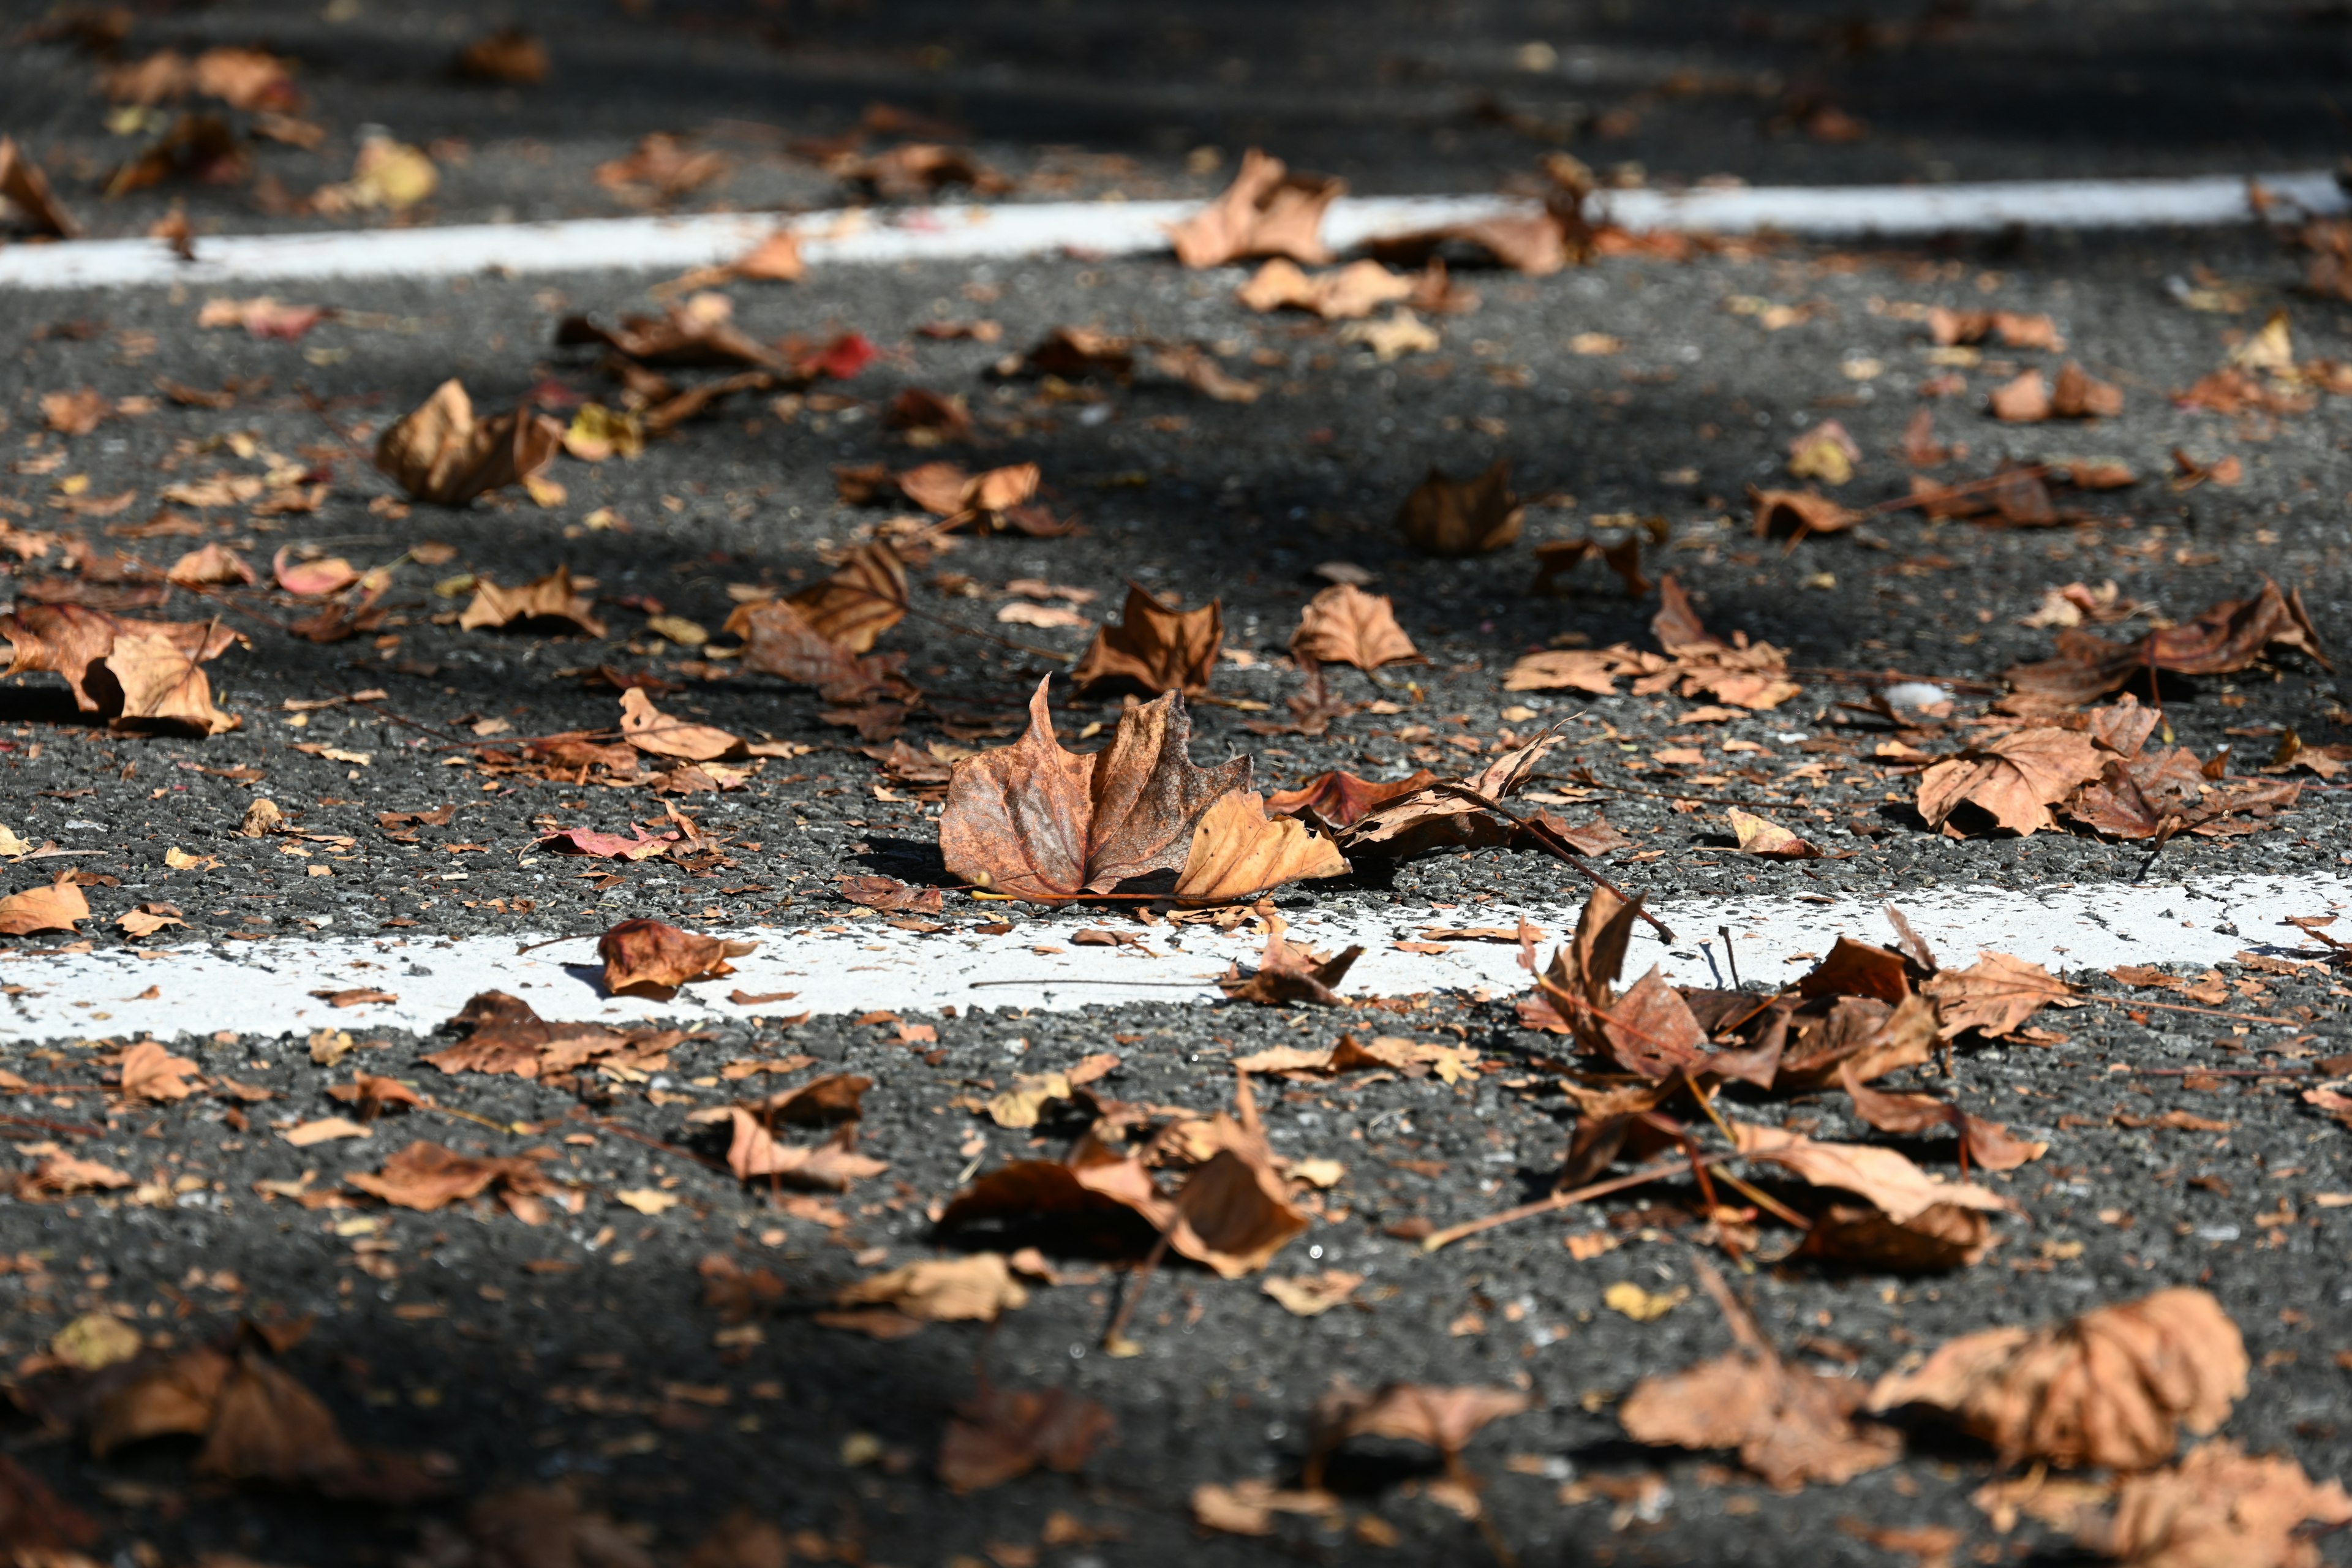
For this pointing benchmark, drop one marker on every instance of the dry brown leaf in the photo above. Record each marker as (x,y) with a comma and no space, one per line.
(1344,624)
(1791,1425)
(945,489)
(1156,648)
(2013,780)
(148,918)
(539,604)
(150,1072)
(1439,1416)
(775,259)
(1451,518)
(2219,1507)
(67,1173)
(1938,1238)
(1033,820)
(645,957)
(1899,1188)
(25,193)
(1344,293)
(1001,1434)
(1993,995)
(54,908)
(864,598)
(1248,1507)
(1238,851)
(1267,211)
(1312,1294)
(1235,1212)
(1769,840)
(754,1153)
(662,168)
(1341,800)
(2227,637)
(779,641)
(1288,974)
(649,730)
(441,453)
(1799,512)
(917,169)
(1558,557)
(209,566)
(164,686)
(74,413)
(2110,1387)
(1446,817)
(427,1175)
(976,1287)
(1988,1143)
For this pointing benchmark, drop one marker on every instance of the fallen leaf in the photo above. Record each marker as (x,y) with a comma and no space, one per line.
(977,1288)
(753,1152)
(864,598)
(1797,513)
(1825,453)
(780,642)
(647,1200)
(213,565)
(649,730)
(1248,1507)
(54,908)
(645,957)
(1341,800)
(150,1072)
(1344,624)
(609,846)
(2217,1507)
(1267,211)
(25,193)
(427,1177)
(2109,1388)
(1238,851)
(67,1173)
(1001,1434)
(1032,820)
(2226,638)
(1899,1188)
(92,1342)
(164,685)
(1311,1295)
(1789,1426)
(1988,1143)
(1769,840)
(543,604)
(511,55)
(1156,648)
(1403,333)
(324,1130)
(1436,1416)
(441,453)
(1994,996)
(2024,401)
(1344,293)
(1288,974)
(145,920)
(1642,1306)
(2013,780)
(945,489)
(386,175)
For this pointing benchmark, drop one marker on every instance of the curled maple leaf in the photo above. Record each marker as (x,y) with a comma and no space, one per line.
(779,641)
(1267,211)
(164,686)
(2225,639)
(2219,1506)
(1342,800)
(1036,821)
(650,729)
(2013,780)
(427,1175)
(1344,624)
(1238,851)
(1900,1189)
(1155,647)
(541,602)
(440,452)
(650,958)
(864,598)
(1288,974)
(1345,293)
(2110,1387)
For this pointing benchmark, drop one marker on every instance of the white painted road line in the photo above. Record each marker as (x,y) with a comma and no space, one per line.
(1108,228)
(265,987)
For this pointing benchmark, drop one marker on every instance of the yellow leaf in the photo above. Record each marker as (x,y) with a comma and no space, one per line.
(1641,1305)
(647,1200)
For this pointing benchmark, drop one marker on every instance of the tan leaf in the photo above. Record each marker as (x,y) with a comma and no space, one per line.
(427,1175)
(1437,1416)
(1989,1143)
(164,686)
(1234,1212)
(1769,840)
(650,729)
(1033,820)
(1447,517)
(1311,1295)
(646,957)
(2078,395)
(1238,851)
(1288,974)
(2218,1508)
(71,639)
(1344,624)
(831,1166)
(2110,1387)
(1993,995)
(150,1072)
(1267,211)
(542,603)
(2013,780)
(780,642)
(976,1287)
(1156,648)
(209,566)
(1344,293)
(65,1174)
(2024,401)
(944,489)
(53,908)
(866,597)
(74,413)
(441,453)
(1402,334)
(1887,1179)
(775,259)
(1565,670)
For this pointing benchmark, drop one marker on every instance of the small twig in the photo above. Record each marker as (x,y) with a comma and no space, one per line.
(2213,1072)
(1730,957)
(1558,1201)
(72,1129)
(1115,1340)
(1559,847)
(2202,1012)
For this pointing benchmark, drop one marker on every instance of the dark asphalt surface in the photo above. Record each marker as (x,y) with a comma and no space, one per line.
(521,1375)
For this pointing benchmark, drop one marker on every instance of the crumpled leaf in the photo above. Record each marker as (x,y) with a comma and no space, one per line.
(650,729)
(1343,294)
(1341,800)
(2229,636)
(2014,780)
(1288,974)
(25,193)
(1789,1425)
(779,641)
(1344,624)
(754,1153)
(1001,1434)
(1267,211)
(1157,649)
(150,1072)
(645,957)
(1033,820)
(1238,850)
(72,640)
(54,908)
(1938,1238)
(539,603)
(945,489)
(864,598)
(1994,996)
(1312,1294)
(1988,1143)
(977,1288)
(1900,1189)
(2110,1387)
(427,1175)
(1440,1416)
(1769,840)
(1445,818)
(1451,518)
(441,453)
(2219,1507)
(209,566)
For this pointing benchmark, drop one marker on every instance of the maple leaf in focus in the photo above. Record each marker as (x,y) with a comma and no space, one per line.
(1769,840)
(1451,518)
(2226,638)
(150,1072)
(1157,649)
(651,731)
(535,604)
(1288,974)
(1344,624)
(1002,1434)
(2110,1387)
(1345,293)
(441,453)
(1032,820)
(1341,800)
(1446,815)
(25,193)
(1238,851)
(162,686)
(645,957)
(2217,1509)
(2013,780)
(1994,996)
(864,598)
(54,908)
(1789,1425)
(511,55)
(976,1287)
(1267,211)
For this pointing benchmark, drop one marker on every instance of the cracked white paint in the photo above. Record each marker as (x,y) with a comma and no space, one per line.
(1115,229)
(855,967)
